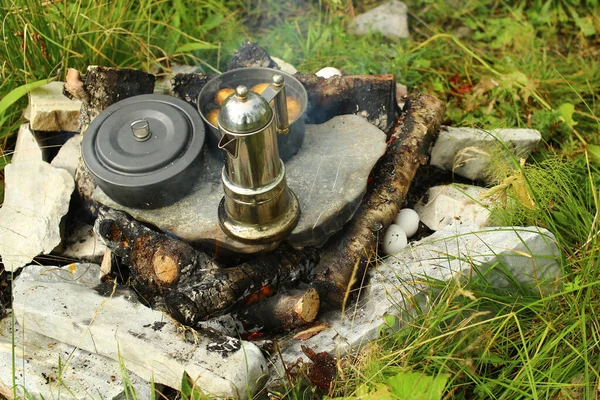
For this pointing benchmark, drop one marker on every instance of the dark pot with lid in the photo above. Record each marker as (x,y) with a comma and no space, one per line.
(145,151)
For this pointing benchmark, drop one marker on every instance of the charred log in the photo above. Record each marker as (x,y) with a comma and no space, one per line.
(372,97)
(188,86)
(157,261)
(223,289)
(193,286)
(250,55)
(345,258)
(282,312)
(106,85)
(103,86)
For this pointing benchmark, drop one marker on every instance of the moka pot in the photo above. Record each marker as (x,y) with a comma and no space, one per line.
(258,206)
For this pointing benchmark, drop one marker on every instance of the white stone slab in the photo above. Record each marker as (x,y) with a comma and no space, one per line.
(82,375)
(529,254)
(468,151)
(69,155)
(109,320)
(36,198)
(51,111)
(27,148)
(454,205)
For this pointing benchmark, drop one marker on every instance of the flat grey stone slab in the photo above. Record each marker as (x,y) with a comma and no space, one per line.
(69,305)
(36,198)
(390,19)
(468,151)
(49,110)
(83,375)
(328,175)
(529,254)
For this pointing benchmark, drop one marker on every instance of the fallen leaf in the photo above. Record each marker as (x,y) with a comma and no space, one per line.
(323,370)
(519,186)
(106,265)
(312,331)
(415,385)
(594,152)
(565,111)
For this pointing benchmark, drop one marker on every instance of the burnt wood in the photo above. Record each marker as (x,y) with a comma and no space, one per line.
(345,257)
(372,97)
(157,261)
(107,85)
(250,55)
(194,288)
(282,312)
(223,289)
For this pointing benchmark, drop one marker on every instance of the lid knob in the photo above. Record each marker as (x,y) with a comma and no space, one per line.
(277,80)
(141,130)
(241,93)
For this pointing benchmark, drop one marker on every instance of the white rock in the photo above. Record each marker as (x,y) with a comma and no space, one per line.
(69,155)
(328,72)
(390,19)
(284,66)
(454,205)
(109,320)
(36,198)
(27,148)
(83,244)
(408,220)
(84,375)
(401,92)
(530,254)
(394,239)
(50,110)
(468,150)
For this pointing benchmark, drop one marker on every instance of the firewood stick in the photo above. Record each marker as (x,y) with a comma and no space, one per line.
(282,312)
(157,261)
(223,289)
(193,286)
(345,258)
(103,86)
(370,96)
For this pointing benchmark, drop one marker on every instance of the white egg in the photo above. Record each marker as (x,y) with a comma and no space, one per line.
(394,239)
(328,72)
(408,219)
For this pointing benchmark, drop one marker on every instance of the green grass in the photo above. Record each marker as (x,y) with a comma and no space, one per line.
(527,63)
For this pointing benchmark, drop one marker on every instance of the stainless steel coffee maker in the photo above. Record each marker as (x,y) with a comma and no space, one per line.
(258,206)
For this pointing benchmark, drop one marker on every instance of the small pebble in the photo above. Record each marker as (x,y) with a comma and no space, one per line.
(408,220)
(328,72)
(394,240)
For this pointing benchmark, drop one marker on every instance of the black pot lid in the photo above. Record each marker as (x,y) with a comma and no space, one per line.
(143,140)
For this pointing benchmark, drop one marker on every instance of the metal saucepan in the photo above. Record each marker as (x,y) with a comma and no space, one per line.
(288,144)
